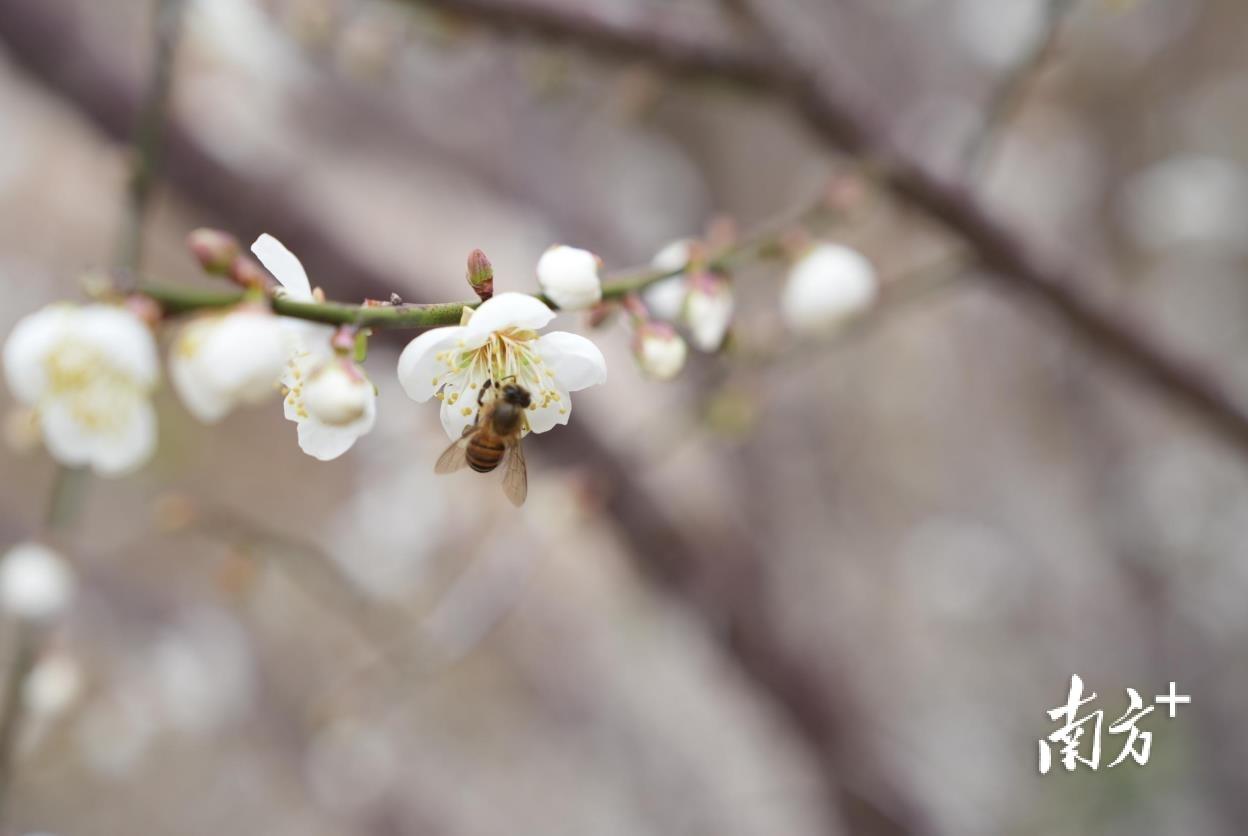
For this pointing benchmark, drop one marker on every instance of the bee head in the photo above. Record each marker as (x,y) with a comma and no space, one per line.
(517,395)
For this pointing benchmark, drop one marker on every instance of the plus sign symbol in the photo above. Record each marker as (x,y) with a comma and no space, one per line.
(1173,699)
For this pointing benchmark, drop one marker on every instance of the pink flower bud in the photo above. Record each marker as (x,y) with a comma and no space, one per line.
(601,313)
(481,274)
(343,341)
(249,274)
(215,250)
(145,308)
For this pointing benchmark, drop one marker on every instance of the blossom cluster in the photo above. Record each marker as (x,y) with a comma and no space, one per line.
(87,373)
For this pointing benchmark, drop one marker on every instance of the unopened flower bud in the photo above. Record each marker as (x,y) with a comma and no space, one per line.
(246,272)
(35,582)
(338,393)
(659,350)
(708,310)
(343,341)
(666,297)
(145,308)
(675,256)
(569,277)
(481,274)
(827,287)
(215,250)
(600,314)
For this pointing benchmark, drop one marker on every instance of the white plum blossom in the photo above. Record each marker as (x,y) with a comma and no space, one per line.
(332,427)
(88,372)
(220,361)
(666,297)
(828,286)
(499,340)
(569,277)
(708,310)
(659,350)
(35,582)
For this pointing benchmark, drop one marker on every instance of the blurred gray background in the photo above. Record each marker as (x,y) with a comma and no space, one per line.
(831,594)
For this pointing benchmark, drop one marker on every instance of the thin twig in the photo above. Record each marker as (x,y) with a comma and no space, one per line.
(175,300)
(24,652)
(1010,259)
(1009,96)
(147,153)
(698,50)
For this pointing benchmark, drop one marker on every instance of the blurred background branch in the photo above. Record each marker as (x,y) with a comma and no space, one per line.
(732,551)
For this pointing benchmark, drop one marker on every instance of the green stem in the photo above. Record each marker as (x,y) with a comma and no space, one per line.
(175,301)
(149,134)
(25,648)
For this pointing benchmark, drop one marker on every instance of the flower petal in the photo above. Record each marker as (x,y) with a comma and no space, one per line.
(245,355)
(28,345)
(457,416)
(666,298)
(558,411)
(207,403)
(506,310)
(325,442)
(708,313)
(131,447)
(674,256)
(67,440)
(123,339)
(418,364)
(576,361)
(284,266)
(115,449)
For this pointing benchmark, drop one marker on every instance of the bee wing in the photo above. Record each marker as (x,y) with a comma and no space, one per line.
(456,456)
(515,474)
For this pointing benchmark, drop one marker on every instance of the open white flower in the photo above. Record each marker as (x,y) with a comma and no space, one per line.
(569,277)
(828,286)
(659,350)
(35,582)
(498,341)
(330,425)
(88,372)
(220,361)
(708,310)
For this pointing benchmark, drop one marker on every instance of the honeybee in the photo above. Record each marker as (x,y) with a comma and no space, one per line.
(493,437)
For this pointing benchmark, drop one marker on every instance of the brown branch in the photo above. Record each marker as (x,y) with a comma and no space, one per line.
(149,134)
(1010,259)
(715,572)
(687,50)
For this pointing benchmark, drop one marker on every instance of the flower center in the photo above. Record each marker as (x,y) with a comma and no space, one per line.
(507,355)
(102,408)
(75,367)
